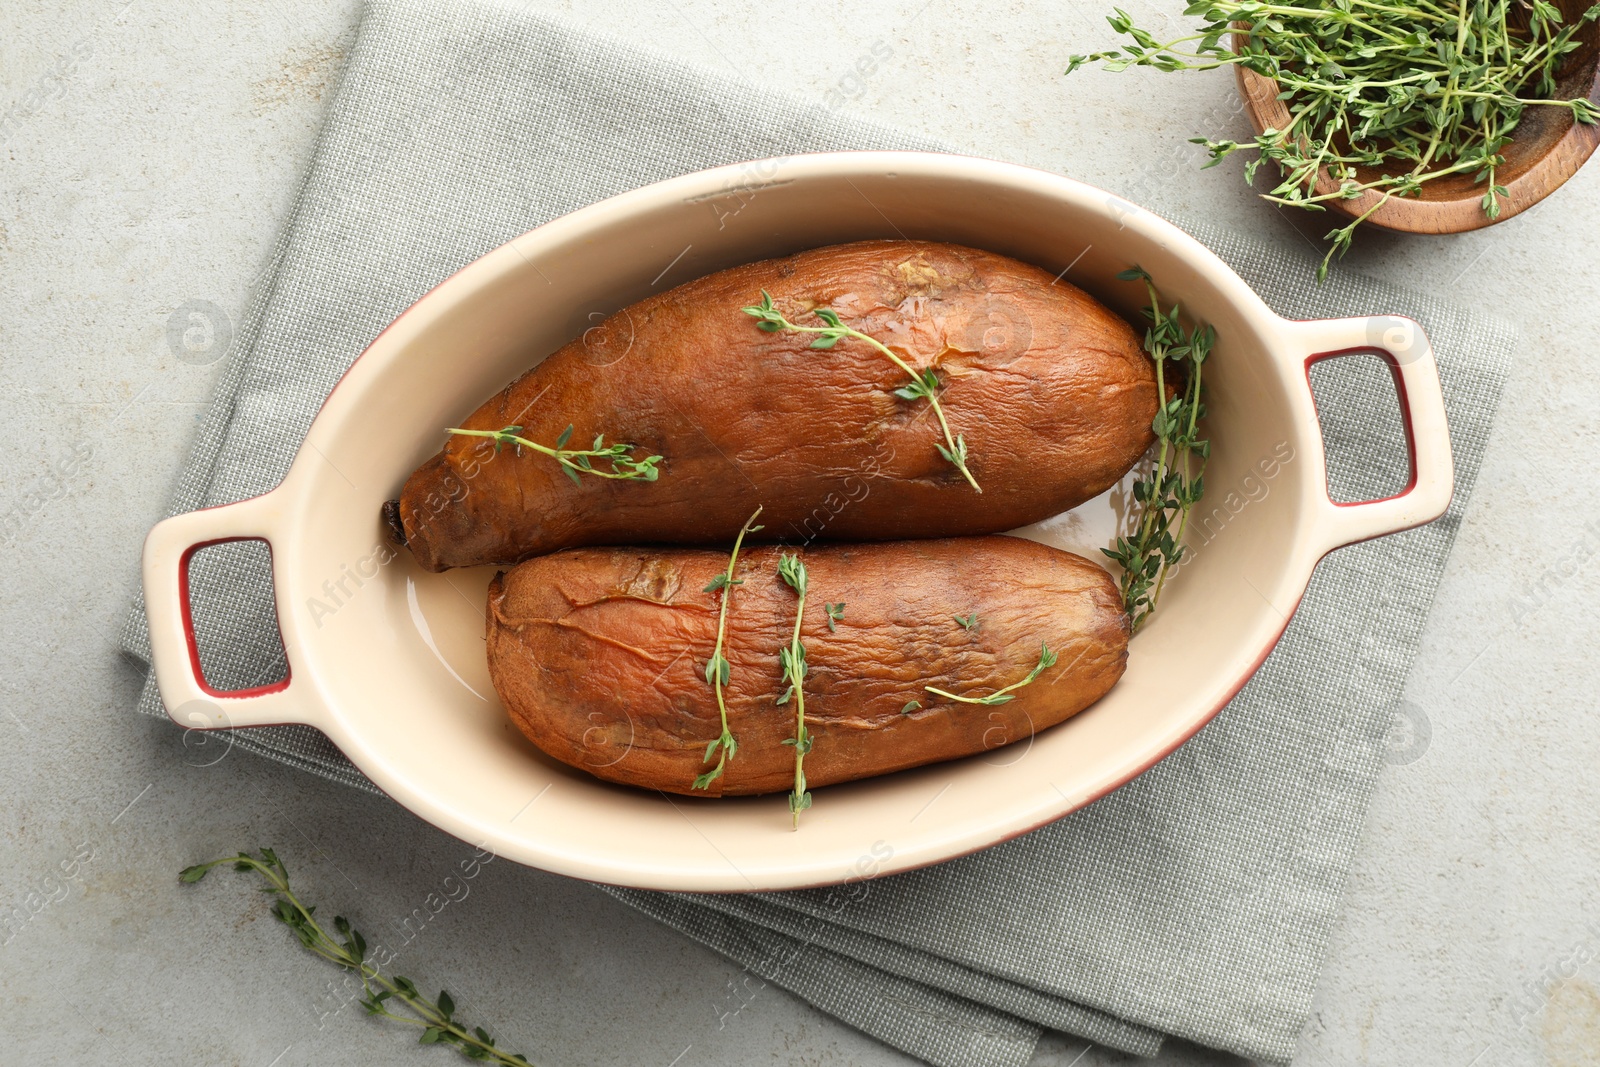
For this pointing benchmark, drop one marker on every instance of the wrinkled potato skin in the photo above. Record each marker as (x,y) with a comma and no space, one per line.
(1051,390)
(599,656)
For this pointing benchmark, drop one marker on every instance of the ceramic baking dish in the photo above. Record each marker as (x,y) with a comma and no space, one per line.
(396,675)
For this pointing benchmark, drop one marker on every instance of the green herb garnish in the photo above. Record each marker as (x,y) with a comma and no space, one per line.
(1414,89)
(1047,659)
(967,622)
(924,384)
(382,993)
(717,669)
(1175,483)
(835,612)
(575,462)
(793,658)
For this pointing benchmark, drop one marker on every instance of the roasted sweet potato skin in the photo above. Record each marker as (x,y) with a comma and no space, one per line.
(1051,391)
(599,656)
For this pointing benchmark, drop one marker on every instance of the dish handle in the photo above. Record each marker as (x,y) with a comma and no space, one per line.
(1402,344)
(174,651)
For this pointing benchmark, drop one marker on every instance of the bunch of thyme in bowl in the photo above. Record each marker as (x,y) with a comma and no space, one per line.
(1383,97)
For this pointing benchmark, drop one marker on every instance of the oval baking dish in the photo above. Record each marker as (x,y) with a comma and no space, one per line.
(397,679)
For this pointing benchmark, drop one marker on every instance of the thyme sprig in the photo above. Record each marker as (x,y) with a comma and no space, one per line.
(792,569)
(381,993)
(835,612)
(1176,481)
(1047,659)
(576,461)
(924,384)
(1413,89)
(717,668)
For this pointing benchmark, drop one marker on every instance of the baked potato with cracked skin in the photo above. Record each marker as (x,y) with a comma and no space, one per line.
(599,655)
(1052,392)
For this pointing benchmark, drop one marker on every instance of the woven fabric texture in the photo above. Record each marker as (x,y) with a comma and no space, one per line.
(1195,901)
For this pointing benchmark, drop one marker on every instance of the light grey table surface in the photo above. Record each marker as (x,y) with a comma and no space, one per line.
(150,156)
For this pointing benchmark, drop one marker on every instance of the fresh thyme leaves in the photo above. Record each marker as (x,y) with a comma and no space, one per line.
(1175,483)
(717,669)
(382,994)
(924,384)
(1410,89)
(835,612)
(1047,659)
(967,622)
(911,705)
(793,657)
(575,462)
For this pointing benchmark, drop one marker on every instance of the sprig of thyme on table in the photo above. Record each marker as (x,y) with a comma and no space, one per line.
(1175,483)
(575,462)
(717,668)
(349,950)
(924,384)
(793,658)
(1414,89)
(1047,659)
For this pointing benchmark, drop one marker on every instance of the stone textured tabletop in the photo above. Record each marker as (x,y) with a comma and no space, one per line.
(149,150)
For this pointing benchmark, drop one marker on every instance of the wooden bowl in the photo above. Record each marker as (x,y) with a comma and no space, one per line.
(1547,149)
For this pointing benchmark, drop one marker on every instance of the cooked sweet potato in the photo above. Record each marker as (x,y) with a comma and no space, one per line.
(1050,390)
(599,655)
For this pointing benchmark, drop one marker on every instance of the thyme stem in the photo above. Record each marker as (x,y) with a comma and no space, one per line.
(576,462)
(793,658)
(717,669)
(923,385)
(1177,479)
(435,1017)
(1047,659)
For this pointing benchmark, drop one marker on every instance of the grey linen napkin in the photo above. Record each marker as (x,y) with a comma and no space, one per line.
(1195,901)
